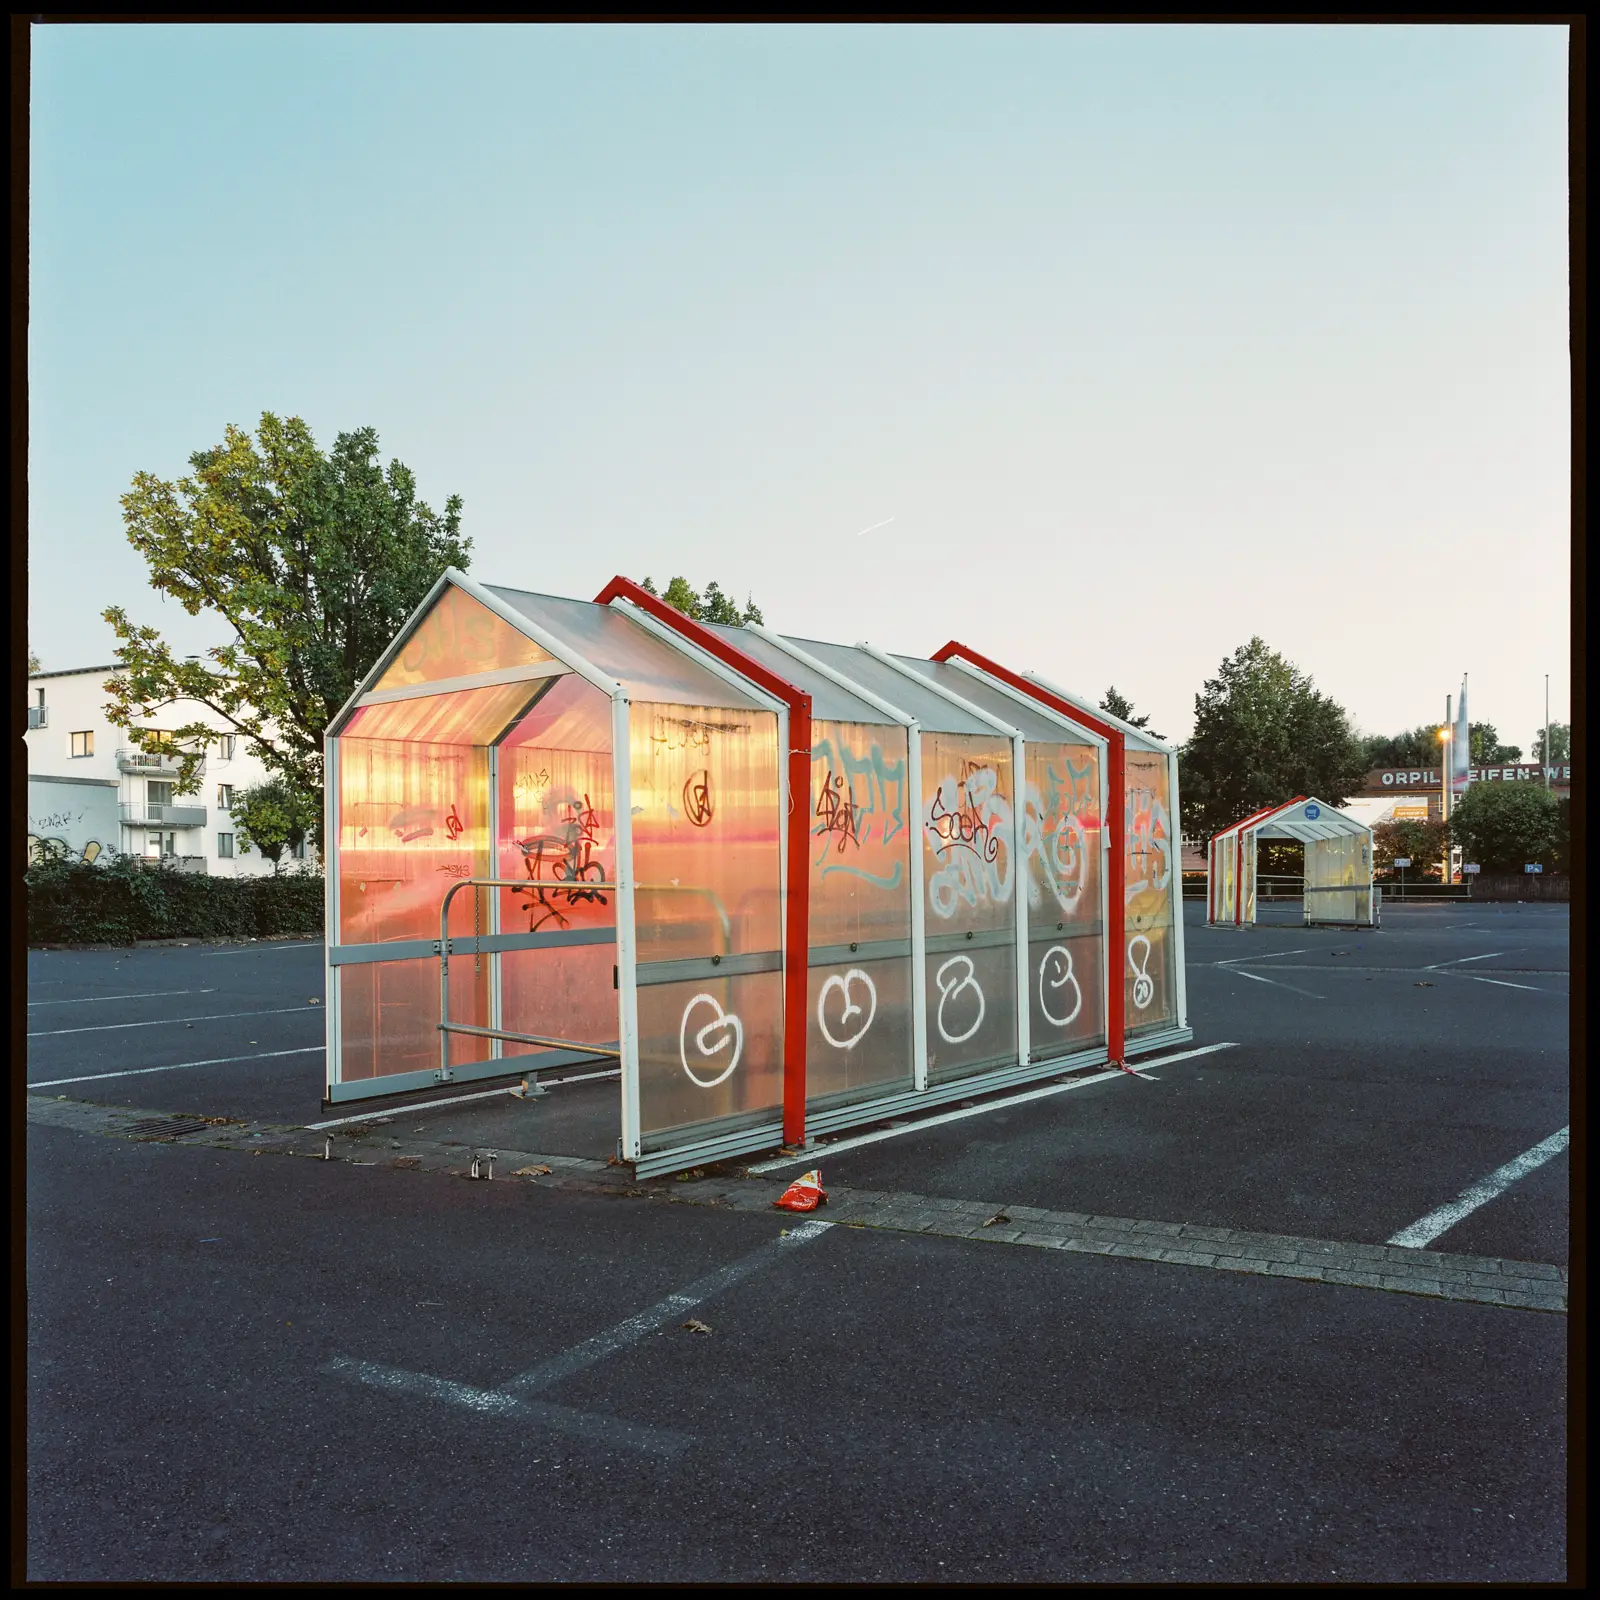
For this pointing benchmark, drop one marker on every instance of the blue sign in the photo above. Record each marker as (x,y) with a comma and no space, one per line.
(1313,811)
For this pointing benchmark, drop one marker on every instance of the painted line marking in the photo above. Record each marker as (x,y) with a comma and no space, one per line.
(261,949)
(1500,983)
(168,1022)
(1426,1229)
(1276,954)
(177,1066)
(810,1157)
(1460,961)
(454,1100)
(1277,983)
(100,999)
(510,1399)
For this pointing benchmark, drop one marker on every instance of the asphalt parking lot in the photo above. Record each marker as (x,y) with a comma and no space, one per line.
(245,1369)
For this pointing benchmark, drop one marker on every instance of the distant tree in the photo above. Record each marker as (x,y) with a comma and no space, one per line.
(1560,744)
(33,663)
(312,560)
(1502,826)
(1422,842)
(711,606)
(1486,749)
(1122,708)
(1417,747)
(273,816)
(1262,735)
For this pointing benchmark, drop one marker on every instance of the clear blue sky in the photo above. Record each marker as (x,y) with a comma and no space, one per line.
(1147,338)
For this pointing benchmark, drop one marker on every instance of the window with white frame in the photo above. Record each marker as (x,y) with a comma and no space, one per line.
(225,747)
(225,845)
(224,797)
(83,743)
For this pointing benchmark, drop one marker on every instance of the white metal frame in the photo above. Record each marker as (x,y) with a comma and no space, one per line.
(919,937)
(627,943)
(1019,856)
(1177,900)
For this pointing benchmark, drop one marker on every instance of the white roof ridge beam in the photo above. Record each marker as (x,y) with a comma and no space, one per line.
(1049,713)
(835,677)
(557,647)
(493,679)
(693,652)
(939,689)
(1104,716)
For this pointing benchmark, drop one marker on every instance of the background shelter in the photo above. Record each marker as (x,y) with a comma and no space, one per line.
(1338,864)
(787,886)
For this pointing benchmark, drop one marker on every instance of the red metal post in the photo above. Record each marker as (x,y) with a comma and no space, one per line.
(1115,822)
(797,911)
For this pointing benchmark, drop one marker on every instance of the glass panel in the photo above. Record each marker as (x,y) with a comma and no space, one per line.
(557,817)
(464,716)
(967,832)
(1067,999)
(459,636)
(1150,886)
(829,703)
(1337,873)
(972,1005)
(561,993)
(647,667)
(709,1049)
(933,711)
(1061,832)
(411,819)
(389,1015)
(1029,720)
(706,842)
(859,1010)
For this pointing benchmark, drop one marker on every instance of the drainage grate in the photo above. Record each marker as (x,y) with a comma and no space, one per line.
(168,1127)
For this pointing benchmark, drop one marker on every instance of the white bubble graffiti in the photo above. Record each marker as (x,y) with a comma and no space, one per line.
(726,1023)
(851,1009)
(1064,967)
(1144,986)
(966,980)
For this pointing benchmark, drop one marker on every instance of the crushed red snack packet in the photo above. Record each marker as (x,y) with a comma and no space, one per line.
(804,1194)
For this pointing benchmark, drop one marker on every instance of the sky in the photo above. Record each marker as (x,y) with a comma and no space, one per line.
(1100,348)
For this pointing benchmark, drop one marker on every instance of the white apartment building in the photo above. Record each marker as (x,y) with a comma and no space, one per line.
(92,788)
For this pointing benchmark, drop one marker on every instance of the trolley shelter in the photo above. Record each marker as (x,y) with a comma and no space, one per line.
(1338,885)
(783,886)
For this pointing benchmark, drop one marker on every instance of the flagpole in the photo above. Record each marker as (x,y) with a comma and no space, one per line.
(1547,733)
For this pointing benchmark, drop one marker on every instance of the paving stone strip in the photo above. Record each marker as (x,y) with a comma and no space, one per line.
(1486,1280)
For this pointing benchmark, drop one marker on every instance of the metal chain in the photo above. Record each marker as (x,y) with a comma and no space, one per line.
(477,935)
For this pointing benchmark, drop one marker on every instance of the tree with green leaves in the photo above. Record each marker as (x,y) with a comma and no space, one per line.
(1485,748)
(1503,826)
(273,816)
(1263,734)
(1421,841)
(1416,747)
(33,663)
(312,560)
(1122,708)
(711,606)
(1560,744)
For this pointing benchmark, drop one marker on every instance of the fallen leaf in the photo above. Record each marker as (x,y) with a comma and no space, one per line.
(312,1000)
(692,1326)
(999,1216)
(540,1171)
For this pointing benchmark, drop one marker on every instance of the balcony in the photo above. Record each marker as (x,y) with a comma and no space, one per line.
(133,759)
(38,716)
(141,814)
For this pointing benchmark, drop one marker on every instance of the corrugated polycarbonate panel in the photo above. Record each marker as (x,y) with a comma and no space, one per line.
(1028,720)
(1338,873)
(1061,829)
(389,1015)
(862,832)
(935,713)
(412,818)
(463,716)
(1150,888)
(457,637)
(828,701)
(969,880)
(707,856)
(607,638)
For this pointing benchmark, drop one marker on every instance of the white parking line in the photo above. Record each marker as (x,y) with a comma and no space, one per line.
(168,1022)
(1501,983)
(1277,983)
(262,949)
(176,1066)
(138,994)
(1461,961)
(1273,957)
(1426,1229)
(839,1145)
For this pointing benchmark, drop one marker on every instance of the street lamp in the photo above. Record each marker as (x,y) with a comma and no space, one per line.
(1444,793)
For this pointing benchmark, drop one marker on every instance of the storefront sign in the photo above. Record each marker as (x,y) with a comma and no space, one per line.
(1387,779)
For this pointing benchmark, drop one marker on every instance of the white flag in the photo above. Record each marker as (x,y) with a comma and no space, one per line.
(1460,746)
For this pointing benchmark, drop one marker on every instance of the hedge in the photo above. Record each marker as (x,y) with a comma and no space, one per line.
(120,898)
